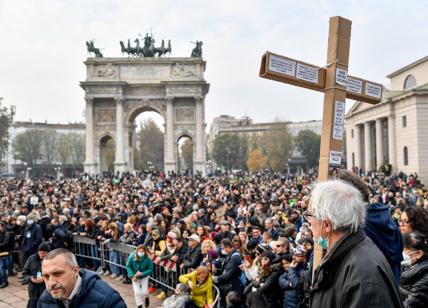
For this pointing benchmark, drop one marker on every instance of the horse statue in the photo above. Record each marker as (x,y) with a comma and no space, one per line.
(148,49)
(197,51)
(123,48)
(91,48)
(162,50)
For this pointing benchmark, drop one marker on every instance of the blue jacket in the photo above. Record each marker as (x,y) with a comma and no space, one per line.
(32,239)
(290,283)
(94,293)
(386,236)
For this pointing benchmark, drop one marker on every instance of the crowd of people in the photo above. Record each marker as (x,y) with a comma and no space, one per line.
(255,238)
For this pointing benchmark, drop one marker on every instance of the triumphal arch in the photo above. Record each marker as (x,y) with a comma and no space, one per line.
(117,90)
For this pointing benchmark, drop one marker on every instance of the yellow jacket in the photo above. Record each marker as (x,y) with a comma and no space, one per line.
(202,294)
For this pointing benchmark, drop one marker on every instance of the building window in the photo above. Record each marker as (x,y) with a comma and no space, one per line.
(353,159)
(404,121)
(406,156)
(409,82)
(352,133)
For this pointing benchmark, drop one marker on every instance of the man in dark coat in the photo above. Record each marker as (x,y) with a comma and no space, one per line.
(386,235)
(69,286)
(33,275)
(32,237)
(193,257)
(228,276)
(354,272)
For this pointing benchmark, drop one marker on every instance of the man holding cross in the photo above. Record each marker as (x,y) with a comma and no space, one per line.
(353,273)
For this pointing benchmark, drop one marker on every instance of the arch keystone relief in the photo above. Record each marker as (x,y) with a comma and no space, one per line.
(117,90)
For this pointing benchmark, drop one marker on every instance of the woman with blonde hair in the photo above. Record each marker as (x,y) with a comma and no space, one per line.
(209,252)
(201,284)
(139,266)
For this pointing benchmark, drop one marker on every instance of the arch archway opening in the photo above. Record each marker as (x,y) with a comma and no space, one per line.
(185,150)
(147,137)
(107,154)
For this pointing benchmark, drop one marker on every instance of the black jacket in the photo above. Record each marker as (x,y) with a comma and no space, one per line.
(93,293)
(414,285)
(193,257)
(355,274)
(267,291)
(32,266)
(4,243)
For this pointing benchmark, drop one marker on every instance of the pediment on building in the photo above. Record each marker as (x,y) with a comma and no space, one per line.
(357,107)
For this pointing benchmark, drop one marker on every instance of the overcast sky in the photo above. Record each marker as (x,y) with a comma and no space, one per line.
(43,48)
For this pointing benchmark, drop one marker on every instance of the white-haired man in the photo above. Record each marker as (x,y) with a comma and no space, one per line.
(353,272)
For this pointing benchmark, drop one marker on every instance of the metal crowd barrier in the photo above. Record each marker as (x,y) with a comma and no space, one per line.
(113,255)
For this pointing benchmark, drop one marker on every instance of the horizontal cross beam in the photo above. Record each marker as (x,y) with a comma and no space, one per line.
(301,74)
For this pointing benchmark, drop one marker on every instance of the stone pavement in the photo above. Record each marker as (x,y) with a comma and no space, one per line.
(16,295)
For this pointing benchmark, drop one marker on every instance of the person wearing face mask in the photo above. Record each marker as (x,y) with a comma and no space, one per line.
(228,276)
(139,266)
(32,237)
(414,280)
(353,272)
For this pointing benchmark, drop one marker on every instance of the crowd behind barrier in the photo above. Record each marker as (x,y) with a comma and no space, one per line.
(246,241)
(165,273)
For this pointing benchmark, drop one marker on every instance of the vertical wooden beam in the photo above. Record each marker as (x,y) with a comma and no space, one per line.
(337,58)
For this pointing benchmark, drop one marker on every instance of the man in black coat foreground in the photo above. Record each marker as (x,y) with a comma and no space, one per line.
(69,286)
(33,275)
(353,273)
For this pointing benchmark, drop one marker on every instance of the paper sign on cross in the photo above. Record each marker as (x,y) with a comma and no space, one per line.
(337,85)
(334,81)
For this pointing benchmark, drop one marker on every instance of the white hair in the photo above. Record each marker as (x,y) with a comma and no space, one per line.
(340,203)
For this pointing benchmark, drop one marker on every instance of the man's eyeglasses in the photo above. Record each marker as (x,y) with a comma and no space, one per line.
(307,216)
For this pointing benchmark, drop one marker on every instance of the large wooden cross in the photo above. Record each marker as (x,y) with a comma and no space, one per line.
(334,81)
(337,85)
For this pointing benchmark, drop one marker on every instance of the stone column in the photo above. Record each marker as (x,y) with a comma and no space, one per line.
(170,159)
(199,160)
(391,142)
(358,147)
(119,164)
(379,144)
(367,148)
(90,164)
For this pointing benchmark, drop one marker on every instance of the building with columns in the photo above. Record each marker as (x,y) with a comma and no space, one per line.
(395,130)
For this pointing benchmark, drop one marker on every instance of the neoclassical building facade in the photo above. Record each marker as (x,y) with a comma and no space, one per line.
(395,130)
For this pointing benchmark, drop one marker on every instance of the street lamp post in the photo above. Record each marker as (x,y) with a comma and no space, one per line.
(58,172)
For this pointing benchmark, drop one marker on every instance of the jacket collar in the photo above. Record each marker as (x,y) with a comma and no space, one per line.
(333,257)
(346,243)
